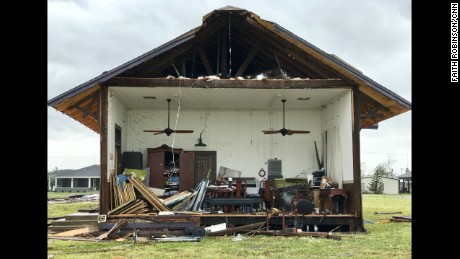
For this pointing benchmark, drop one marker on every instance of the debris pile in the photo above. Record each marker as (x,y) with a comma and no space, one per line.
(125,200)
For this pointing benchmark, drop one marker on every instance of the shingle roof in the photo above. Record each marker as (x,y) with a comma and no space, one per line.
(407,174)
(90,171)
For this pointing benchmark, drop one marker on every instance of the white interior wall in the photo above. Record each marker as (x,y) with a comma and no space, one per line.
(338,113)
(236,136)
(117,115)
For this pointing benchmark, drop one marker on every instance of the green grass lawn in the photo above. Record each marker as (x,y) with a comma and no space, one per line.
(52,195)
(392,239)
(62,209)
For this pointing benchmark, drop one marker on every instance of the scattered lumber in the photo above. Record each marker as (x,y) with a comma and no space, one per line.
(235,229)
(120,224)
(124,200)
(148,194)
(137,206)
(398,212)
(177,198)
(300,234)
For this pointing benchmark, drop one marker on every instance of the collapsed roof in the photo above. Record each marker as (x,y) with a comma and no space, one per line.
(232,43)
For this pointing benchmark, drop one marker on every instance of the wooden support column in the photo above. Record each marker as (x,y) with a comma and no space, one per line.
(205,61)
(357,197)
(224,54)
(104,201)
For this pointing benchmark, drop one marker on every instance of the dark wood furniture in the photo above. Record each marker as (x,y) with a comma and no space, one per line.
(326,201)
(189,166)
(163,162)
(195,166)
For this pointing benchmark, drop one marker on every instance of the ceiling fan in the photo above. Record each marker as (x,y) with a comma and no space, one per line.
(285,131)
(168,130)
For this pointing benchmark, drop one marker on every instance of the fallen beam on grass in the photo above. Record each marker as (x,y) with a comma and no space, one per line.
(235,229)
(75,239)
(120,224)
(398,212)
(293,234)
(401,218)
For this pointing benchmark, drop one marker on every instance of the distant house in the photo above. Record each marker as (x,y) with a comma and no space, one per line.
(78,180)
(405,182)
(390,185)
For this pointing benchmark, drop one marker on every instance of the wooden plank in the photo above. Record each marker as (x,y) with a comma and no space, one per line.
(104,196)
(148,194)
(177,197)
(247,60)
(120,224)
(132,215)
(397,212)
(75,239)
(205,61)
(290,234)
(235,229)
(228,83)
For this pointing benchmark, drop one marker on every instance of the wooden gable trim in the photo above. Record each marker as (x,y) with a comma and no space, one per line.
(83,107)
(87,105)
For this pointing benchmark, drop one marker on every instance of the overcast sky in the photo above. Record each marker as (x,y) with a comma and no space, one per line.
(86,38)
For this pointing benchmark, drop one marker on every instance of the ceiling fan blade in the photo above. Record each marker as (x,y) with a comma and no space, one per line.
(183,131)
(154,130)
(290,132)
(270,131)
(160,132)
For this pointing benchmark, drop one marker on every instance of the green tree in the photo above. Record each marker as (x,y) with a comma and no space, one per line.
(376,184)
(52,178)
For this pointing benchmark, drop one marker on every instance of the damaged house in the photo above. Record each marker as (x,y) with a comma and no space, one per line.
(241,103)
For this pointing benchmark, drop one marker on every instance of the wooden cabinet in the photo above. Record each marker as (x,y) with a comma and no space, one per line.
(164,163)
(178,170)
(195,165)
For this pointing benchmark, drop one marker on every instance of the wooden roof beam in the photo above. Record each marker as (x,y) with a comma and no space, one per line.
(227,83)
(205,61)
(287,51)
(247,60)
